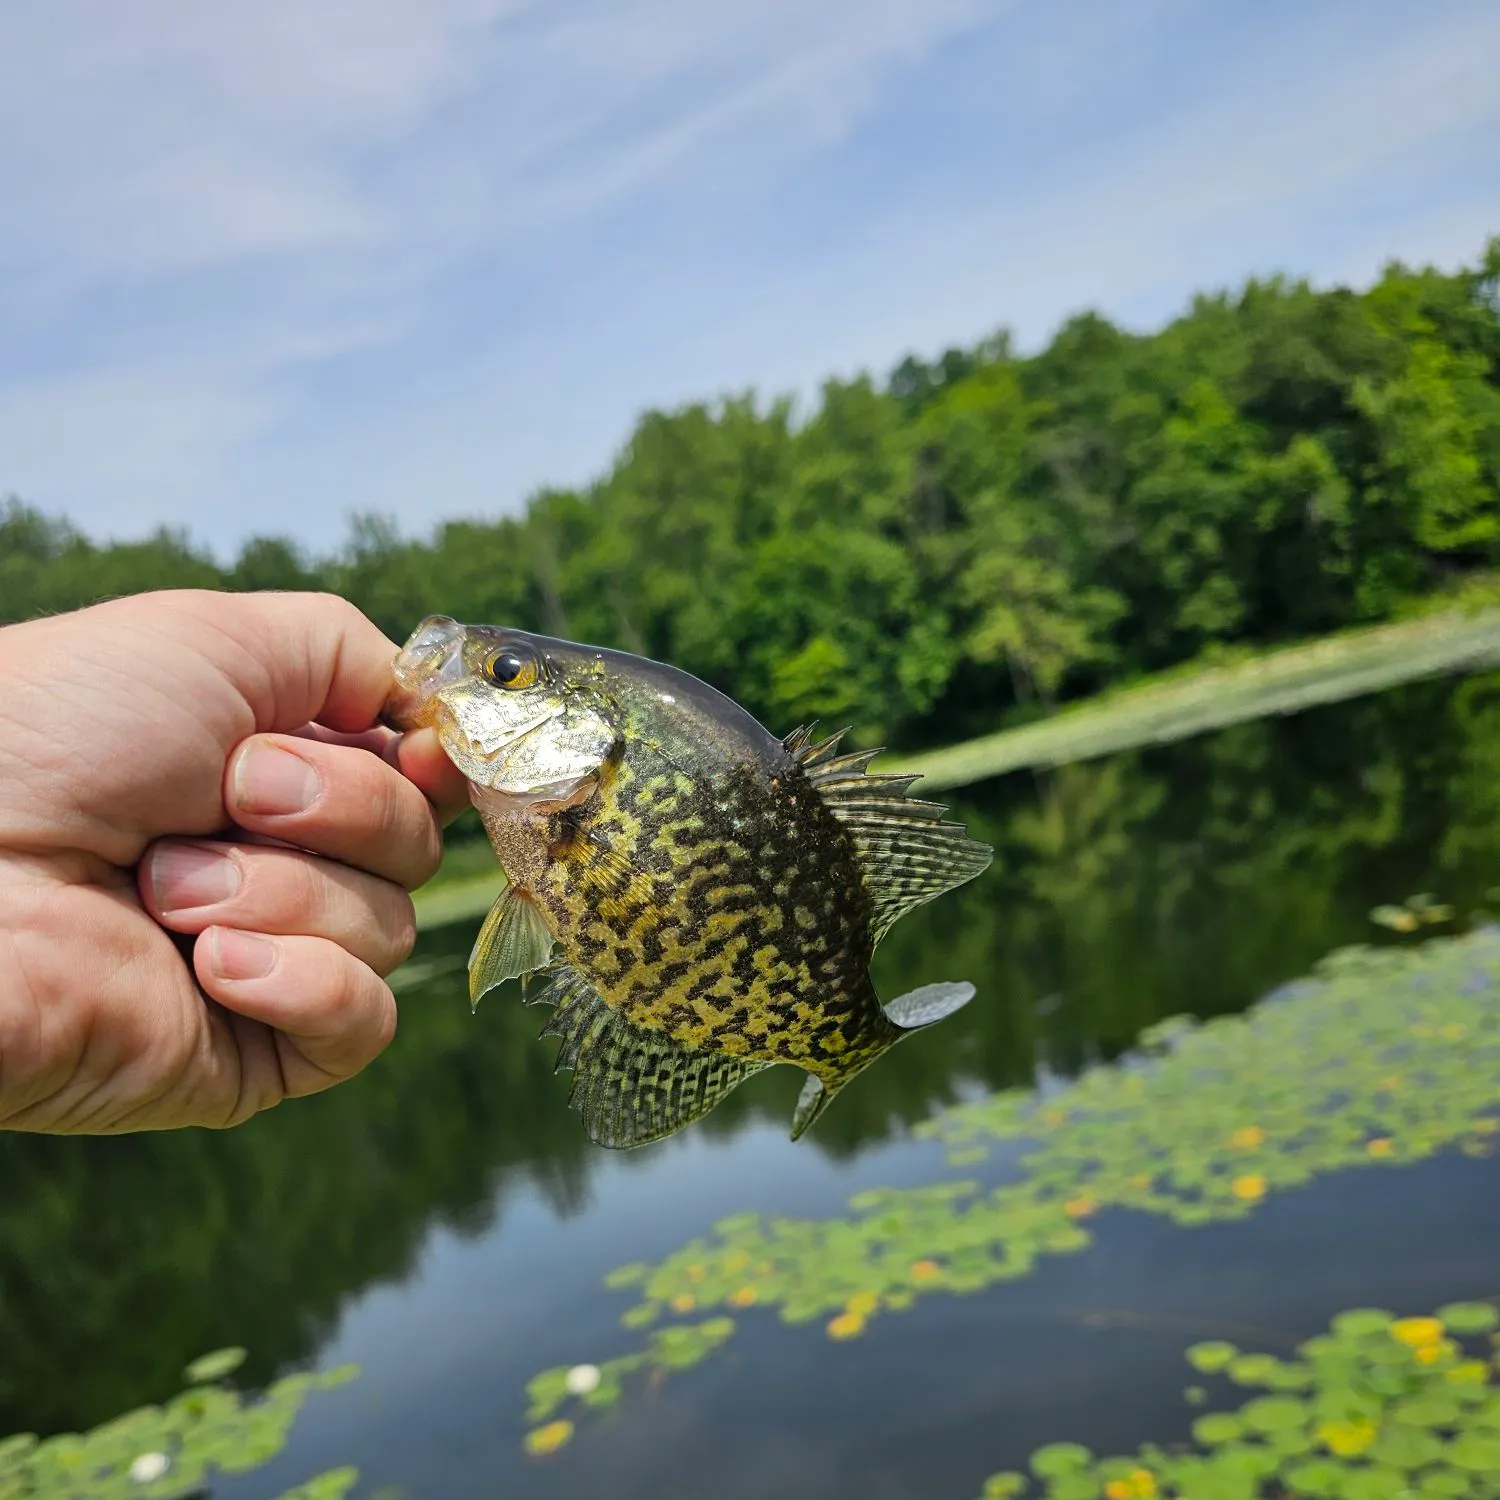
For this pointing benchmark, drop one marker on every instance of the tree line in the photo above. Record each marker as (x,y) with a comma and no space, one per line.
(976,536)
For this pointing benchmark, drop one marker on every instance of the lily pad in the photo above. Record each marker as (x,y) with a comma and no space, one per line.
(215,1366)
(1058,1459)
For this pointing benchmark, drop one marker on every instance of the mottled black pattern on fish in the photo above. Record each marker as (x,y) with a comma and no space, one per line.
(726,911)
(716,893)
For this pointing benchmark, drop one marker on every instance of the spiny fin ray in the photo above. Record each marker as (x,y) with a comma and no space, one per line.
(631,1086)
(908,854)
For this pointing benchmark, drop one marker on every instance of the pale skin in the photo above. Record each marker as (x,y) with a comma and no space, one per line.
(207,844)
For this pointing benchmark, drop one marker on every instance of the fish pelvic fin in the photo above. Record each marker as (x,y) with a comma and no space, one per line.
(513,942)
(632,1086)
(928,1005)
(815,1097)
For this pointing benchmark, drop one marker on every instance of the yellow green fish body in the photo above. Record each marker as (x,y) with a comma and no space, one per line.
(715,893)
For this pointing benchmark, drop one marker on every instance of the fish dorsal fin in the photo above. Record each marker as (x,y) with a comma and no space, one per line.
(631,1085)
(513,942)
(907,852)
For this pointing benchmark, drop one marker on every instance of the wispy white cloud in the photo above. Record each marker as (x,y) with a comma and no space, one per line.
(167,134)
(266,263)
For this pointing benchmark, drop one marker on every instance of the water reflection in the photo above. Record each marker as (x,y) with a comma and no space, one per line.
(433,1206)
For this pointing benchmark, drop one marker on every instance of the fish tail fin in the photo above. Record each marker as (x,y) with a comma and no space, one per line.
(906,1013)
(815,1097)
(928,1005)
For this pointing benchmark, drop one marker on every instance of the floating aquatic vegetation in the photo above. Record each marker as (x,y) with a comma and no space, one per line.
(1383,1057)
(168,1452)
(1412,914)
(677,1348)
(1377,1408)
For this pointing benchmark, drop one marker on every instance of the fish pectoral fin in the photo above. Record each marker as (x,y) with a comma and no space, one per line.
(608,875)
(923,1007)
(907,853)
(631,1086)
(513,942)
(815,1097)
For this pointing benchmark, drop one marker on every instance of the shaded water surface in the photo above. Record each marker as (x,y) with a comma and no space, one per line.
(444,1222)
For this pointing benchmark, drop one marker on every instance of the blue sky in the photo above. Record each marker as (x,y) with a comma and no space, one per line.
(265,265)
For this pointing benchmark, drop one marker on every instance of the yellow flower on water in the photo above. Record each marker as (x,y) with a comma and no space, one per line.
(541,1441)
(684,1302)
(1454,1029)
(1080,1207)
(1247,1137)
(1430,1354)
(1250,1187)
(1418,1332)
(1139,1484)
(696,1273)
(847,1325)
(924,1270)
(862,1304)
(1141,1180)
(744,1296)
(1381,1146)
(1346,1438)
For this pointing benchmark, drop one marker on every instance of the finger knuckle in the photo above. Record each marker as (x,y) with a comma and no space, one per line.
(400,927)
(310,900)
(384,1029)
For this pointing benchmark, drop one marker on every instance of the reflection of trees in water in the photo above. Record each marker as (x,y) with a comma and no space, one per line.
(1191,878)
(120,1258)
(1381,1057)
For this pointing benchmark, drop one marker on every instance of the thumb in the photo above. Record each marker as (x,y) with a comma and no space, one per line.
(295,658)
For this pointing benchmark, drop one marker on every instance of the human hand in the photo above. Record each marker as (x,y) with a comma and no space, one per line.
(149,750)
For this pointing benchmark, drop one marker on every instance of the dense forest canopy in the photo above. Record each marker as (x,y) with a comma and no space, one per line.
(975,535)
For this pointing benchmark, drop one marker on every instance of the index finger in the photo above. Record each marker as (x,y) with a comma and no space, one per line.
(417,754)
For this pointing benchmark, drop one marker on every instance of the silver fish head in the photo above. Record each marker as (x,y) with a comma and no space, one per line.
(518,723)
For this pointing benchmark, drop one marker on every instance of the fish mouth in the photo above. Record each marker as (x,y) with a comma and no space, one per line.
(431,660)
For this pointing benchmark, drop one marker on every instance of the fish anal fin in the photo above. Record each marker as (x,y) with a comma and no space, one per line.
(632,1086)
(513,942)
(815,1097)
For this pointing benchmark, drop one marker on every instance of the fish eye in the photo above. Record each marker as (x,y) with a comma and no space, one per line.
(511,668)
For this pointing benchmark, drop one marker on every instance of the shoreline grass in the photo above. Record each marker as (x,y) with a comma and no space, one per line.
(1282,681)
(1173,706)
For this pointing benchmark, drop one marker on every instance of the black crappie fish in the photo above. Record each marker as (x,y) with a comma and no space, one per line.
(716,892)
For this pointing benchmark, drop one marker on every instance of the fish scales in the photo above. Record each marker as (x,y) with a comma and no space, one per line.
(715,892)
(746,928)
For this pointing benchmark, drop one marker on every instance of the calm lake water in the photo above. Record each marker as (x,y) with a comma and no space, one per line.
(444,1222)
